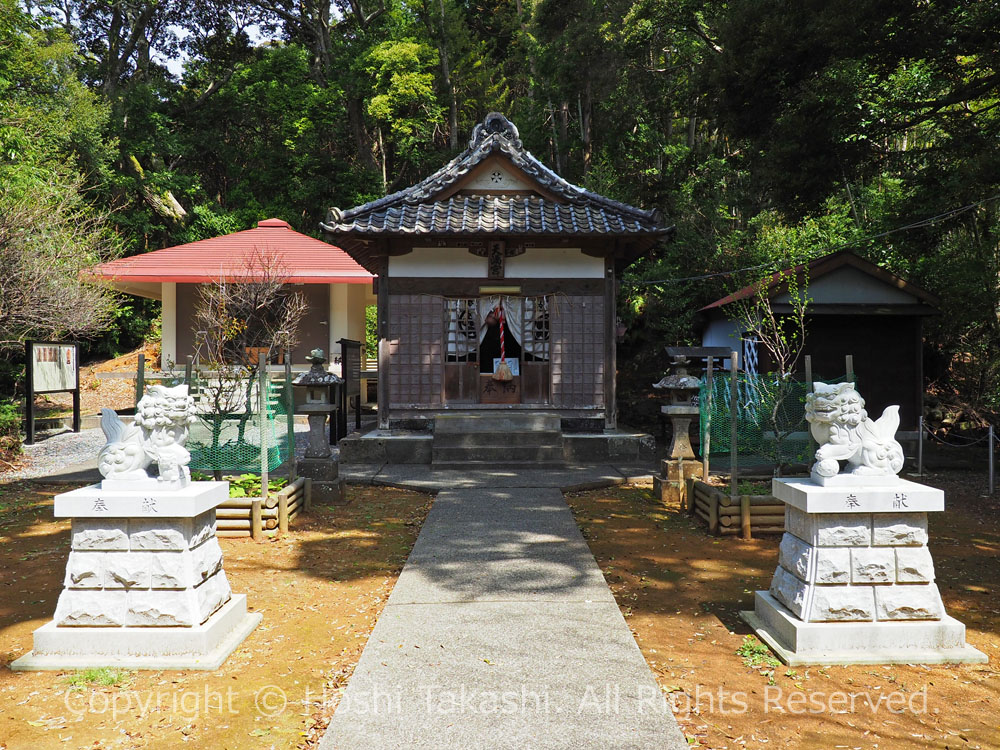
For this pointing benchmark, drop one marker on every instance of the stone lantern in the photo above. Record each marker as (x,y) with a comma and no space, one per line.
(318,464)
(682,390)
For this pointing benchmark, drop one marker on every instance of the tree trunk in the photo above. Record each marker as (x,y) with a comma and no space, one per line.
(563,133)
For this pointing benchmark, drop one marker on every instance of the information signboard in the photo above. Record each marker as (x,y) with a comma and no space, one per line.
(50,367)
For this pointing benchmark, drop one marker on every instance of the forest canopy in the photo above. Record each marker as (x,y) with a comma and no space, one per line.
(765,131)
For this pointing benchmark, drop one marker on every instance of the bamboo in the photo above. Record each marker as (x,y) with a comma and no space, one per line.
(256,525)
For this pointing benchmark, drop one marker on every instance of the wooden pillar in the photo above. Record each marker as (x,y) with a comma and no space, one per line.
(610,346)
(256,520)
(383,345)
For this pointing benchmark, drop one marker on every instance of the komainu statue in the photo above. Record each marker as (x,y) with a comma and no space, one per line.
(162,419)
(839,423)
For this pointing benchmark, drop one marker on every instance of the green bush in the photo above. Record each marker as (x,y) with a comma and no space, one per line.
(10,428)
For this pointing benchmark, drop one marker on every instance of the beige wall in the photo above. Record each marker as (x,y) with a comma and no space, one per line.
(313,330)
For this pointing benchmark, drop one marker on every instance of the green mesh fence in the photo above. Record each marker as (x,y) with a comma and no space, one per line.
(771,425)
(229,432)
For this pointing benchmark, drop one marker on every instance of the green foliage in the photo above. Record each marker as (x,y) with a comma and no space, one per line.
(244,485)
(10,428)
(755,654)
(766,133)
(100,676)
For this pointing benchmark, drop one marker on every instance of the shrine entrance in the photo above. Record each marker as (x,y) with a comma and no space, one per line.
(481,331)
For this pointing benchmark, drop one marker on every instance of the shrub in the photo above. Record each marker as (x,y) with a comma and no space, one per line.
(10,428)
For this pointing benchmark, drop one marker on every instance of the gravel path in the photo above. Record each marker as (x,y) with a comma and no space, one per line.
(54,454)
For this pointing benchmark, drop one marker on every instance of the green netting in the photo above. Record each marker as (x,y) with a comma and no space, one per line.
(227,435)
(771,425)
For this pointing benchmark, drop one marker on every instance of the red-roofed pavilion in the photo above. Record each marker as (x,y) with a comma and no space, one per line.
(336,287)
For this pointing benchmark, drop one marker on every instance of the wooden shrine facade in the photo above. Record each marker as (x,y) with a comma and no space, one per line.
(493,257)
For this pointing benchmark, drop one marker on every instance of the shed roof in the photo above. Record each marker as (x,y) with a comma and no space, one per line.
(300,258)
(777,283)
(552,207)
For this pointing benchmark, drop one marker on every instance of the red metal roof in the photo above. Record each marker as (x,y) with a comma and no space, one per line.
(300,258)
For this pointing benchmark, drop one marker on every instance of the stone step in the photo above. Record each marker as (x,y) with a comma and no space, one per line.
(477,439)
(495,454)
(498,465)
(504,422)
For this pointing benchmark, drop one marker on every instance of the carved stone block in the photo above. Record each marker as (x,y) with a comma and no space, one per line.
(833,565)
(85,570)
(127,570)
(873,565)
(206,560)
(90,608)
(909,603)
(834,530)
(155,534)
(99,534)
(890,529)
(790,591)
(170,571)
(842,604)
(914,565)
(212,594)
(162,609)
(795,556)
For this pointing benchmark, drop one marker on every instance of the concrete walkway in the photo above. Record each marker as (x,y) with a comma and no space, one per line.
(501,633)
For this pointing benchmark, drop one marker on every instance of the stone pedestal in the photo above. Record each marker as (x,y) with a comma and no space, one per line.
(145,586)
(669,485)
(327,487)
(855,579)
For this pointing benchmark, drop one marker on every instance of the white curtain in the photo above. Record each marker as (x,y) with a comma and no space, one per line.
(460,343)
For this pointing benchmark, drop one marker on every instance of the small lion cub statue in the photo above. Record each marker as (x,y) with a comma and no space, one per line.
(839,423)
(162,419)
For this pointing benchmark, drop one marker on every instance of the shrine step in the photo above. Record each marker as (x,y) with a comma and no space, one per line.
(495,454)
(500,423)
(481,439)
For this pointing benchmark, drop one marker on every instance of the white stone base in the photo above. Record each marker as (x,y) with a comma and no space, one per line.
(799,643)
(204,646)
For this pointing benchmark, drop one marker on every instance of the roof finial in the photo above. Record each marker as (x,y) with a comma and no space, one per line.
(495,124)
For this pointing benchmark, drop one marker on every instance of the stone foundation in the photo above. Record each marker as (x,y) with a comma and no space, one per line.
(843,563)
(669,486)
(136,587)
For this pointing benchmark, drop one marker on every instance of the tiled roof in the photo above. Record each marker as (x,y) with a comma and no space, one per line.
(417,209)
(485,214)
(297,257)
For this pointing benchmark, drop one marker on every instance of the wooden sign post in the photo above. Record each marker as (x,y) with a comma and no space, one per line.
(50,367)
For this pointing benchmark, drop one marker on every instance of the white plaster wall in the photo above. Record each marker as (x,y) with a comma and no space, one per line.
(168,323)
(725,333)
(438,262)
(554,263)
(339,317)
(849,286)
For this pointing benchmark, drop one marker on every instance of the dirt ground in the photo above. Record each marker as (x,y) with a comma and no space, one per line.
(320,590)
(681,591)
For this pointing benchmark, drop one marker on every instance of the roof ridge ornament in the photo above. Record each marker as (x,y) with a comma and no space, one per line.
(495,124)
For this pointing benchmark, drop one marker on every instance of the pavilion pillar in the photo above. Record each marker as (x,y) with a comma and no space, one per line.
(168,324)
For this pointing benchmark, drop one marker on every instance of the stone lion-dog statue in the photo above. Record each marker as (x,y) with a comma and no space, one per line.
(839,423)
